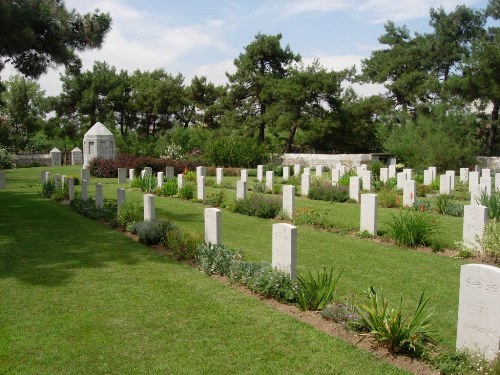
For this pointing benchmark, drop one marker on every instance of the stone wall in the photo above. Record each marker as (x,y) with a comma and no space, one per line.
(492,162)
(42,160)
(347,160)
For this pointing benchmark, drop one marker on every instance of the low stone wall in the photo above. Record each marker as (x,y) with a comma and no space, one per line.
(492,162)
(329,160)
(26,160)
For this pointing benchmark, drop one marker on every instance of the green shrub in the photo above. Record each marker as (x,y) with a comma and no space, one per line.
(343,313)
(216,199)
(490,243)
(88,209)
(314,292)
(48,188)
(168,189)
(236,152)
(60,193)
(187,191)
(442,201)
(307,216)
(215,259)
(149,232)
(190,176)
(390,328)
(324,191)
(181,243)
(268,281)
(344,179)
(259,205)
(259,187)
(130,212)
(493,204)
(375,166)
(388,197)
(7,160)
(147,184)
(412,228)
(446,207)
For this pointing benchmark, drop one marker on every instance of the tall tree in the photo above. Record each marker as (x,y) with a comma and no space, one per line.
(35,34)
(263,61)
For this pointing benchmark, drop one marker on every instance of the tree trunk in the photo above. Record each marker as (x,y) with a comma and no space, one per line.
(262,124)
(493,128)
(289,141)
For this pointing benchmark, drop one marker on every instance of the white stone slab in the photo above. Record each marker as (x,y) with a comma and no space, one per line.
(400,179)
(219,175)
(475,218)
(149,207)
(269,180)
(319,170)
(427,177)
(452,179)
(369,213)
(180,181)
(85,194)
(306,170)
(296,169)
(57,180)
(486,172)
(366,180)
(286,173)
(335,176)
(464,175)
(445,184)
(478,328)
(201,171)
(260,173)
(120,197)
(99,202)
(284,248)
(409,193)
(244,175)
(434,172)
(159,179)
(384,175)
(408,172)
(213,228)
(148,172)
(131,174)
(200,189)
(476,194)
(241,189)
(288,200)
(71,188)
(392,171)
(85,175)
(305,184)
(354,188)
(473,180)
(169,172)
(122,175)
(497,182)
(486,181)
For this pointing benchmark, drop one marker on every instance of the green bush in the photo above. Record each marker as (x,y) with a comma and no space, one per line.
(493,204)
(389,198)
(344,179)
(216,199)
(445,206)
(88,209)
(390,328)
(187,191)
(236,152)
(324,191)
(375,166)
(259,205)
(130,212)
(215,259)
(7,160)
(314,292)
(48,188)
(149,232)
(343,313)
(490,243)
(147,184)
(181,243)
(412,228)
(60,193)
(168,189)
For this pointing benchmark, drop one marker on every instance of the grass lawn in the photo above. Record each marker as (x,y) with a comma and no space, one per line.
(79,298)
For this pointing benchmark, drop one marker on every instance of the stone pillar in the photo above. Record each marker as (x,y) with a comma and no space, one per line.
(427,177)
(384,175)
(366,180)
(444,184)
(392,171)
(120,197)
(305,184)
(475,218)
(270,180)
(464,175)
(149,207)
(200,191)
(452,179)
(409,193)
(244,175)
(169,173)
(241,189)
(180,181)
(400,180)
(219,174)
(354,188)
(369,213)
(286,173)
(85,194)
(71,188)
(131,174)
(159,179)
(288,200)
(85,174)
(213,226)
(473,180)
(260,173)
(98,196)
(122,175)
(76,156)
(296,169)
(284,245)
(55,157)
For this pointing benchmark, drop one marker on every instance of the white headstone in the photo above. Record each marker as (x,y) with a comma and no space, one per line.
(296,169)
(361,168)
(200,171)
(149,207)
(43,176)
(244,175)
(409,193)
(213,228)
(473,180)
(169,172)
(200,191)
(341,168)
(305,184)
(63,180)
(369,212)
(497,182)
(319,170)
(131,174)
(260,173)
(120,197)
(219,174)
(452,179)
(486,181)
(475,218)
(122,175)
(408,172)
(85,193)
(71,188)
(392,171)
(288,200)
(445,184)
(366,180)
(477,192)
(335,176)
(284,245)
(286,173)
(354,188)
(148,172)
(269,180)
(306,170)
(427,177)
(241,189)
(159,179)
(76,156)
(57,180)
(486,172)
(180,181)
(3,183)
(47,176)
(478,328)
(55,157)
(400,179)
(98,196)
(464,175)
(434,172)
(384,175)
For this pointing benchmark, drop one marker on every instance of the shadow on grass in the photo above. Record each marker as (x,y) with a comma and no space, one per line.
(43,243)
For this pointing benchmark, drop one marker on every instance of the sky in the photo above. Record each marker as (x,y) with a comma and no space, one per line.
(203,37)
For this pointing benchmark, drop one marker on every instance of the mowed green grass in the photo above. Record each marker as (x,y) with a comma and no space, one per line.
(79,298)
(398,272)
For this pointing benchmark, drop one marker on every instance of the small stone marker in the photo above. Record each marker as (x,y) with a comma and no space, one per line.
(180,181)
(241,189)
(131,174)
(341,168)
(85,174)
(478,328)
(286,173)
(409,193)
(486,181)
(284,245)
(369,211)
(213,226)
(71,188)
(486,172)
(169,173)
(476,194)
(384,175)
(244,175)
(319,170)
(473,180)
(99,203)
(408,172)
(76,156)
(427,177)
(55,157)
(260,173)
(120,197)
(296,169)
(497,182)
(149,207)
(159,179)
(2,180)
(444,184)
(434,172)
(475,218)
(270,180)
(219,174)
(400,179)
(392,171)
(85,194)
(288,200)
(335,176)
(366,180)
(305,184)
(452,179)
(200,191)
(122,175)
(464,175)
(201,171)
(354,182)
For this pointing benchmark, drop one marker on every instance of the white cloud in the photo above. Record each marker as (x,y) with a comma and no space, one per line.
(215,73)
